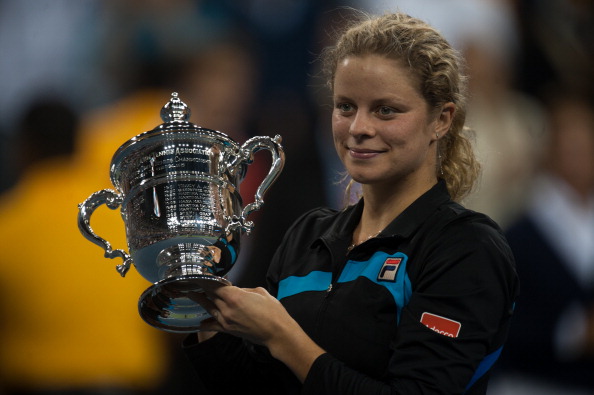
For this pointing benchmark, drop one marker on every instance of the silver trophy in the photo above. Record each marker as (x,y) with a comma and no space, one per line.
(177,187)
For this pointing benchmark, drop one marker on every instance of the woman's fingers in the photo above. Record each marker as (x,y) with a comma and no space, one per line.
(211,323)
(202,299)
(246,312)
(258,290)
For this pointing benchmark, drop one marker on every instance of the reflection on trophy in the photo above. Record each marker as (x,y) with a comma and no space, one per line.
(177,187)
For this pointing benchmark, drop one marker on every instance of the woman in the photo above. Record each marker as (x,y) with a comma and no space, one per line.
(405,292)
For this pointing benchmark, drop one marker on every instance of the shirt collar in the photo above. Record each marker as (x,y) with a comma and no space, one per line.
(403,225)
(416,214)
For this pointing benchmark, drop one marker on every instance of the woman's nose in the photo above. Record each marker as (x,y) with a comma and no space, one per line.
(362,125)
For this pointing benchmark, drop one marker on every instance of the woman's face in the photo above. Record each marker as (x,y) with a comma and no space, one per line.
(383,130)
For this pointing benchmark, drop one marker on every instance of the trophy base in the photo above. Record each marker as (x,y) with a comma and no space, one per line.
(170,305)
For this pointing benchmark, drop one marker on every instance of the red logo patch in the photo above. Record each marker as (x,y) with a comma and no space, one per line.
(443,326)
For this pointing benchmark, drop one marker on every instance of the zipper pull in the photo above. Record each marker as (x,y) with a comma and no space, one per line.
(329,289)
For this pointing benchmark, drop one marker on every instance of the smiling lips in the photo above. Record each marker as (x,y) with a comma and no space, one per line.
(360,153)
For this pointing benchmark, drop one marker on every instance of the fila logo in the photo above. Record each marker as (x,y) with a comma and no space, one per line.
(443,326)
(389,269)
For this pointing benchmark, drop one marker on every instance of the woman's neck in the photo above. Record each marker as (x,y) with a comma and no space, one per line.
(383,204)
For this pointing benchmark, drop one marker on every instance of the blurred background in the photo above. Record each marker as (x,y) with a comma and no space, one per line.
(78,78)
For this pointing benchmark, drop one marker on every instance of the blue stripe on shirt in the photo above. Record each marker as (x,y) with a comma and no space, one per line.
(314,281)
(486,364)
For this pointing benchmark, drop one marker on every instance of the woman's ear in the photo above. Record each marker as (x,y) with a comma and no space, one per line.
(444,119)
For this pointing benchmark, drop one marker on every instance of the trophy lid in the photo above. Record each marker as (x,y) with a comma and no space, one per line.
(175,115)
(175,127)
(175,110)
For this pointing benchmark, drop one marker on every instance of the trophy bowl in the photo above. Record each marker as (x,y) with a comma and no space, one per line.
(177,187)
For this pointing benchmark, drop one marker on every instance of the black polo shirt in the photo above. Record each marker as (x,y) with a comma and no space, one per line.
(423,308)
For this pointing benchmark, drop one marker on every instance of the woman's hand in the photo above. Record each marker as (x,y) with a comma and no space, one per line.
(250,313)
(255,315)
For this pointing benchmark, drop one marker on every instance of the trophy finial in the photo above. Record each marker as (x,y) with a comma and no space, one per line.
(175,110)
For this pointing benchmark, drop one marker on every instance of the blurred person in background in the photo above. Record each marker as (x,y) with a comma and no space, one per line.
(557,41)
(551,343)
(70,325)
(47,47)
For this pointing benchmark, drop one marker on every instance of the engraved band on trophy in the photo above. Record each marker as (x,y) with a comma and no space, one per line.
(177,187)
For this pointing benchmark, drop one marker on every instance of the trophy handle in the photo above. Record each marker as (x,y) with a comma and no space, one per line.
(112,200)
(248,149)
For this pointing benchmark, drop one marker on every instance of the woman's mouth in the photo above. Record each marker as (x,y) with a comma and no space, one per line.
(359,153)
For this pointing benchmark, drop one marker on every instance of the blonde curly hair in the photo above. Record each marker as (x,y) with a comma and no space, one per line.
(440,71)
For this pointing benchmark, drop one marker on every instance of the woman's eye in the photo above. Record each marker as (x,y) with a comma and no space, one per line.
(344,107)
(385,110)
